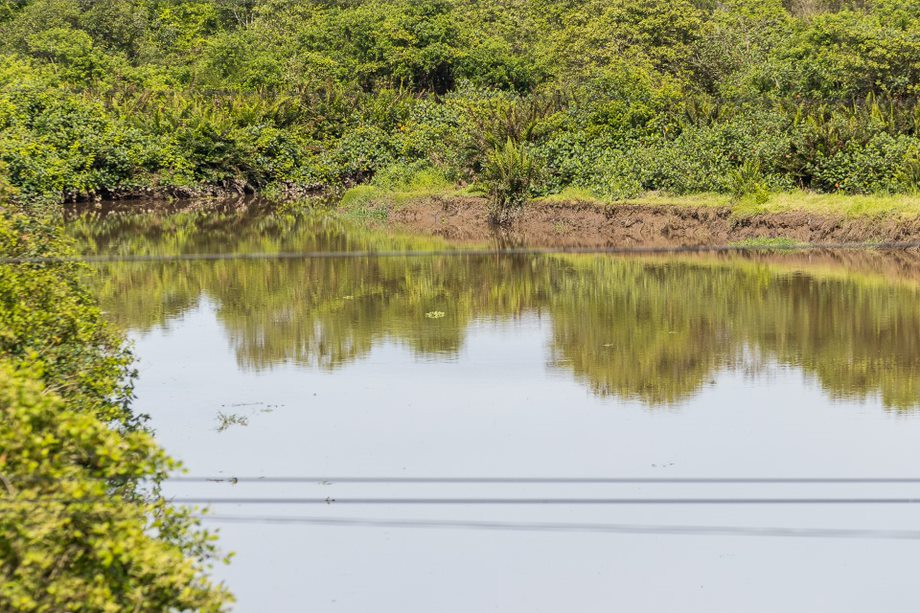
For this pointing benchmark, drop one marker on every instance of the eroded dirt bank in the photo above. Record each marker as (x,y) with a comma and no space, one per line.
(581,224)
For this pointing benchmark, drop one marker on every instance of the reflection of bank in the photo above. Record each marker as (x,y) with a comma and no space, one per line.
(655,329)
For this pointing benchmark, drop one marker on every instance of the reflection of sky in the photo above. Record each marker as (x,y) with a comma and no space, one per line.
(498,409)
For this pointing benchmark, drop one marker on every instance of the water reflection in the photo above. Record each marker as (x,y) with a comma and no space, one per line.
(653,329)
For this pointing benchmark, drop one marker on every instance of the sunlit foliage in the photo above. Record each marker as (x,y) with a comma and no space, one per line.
(82,527)
(117,97)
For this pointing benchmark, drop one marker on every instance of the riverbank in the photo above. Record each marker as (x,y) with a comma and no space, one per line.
(652,221)
(255,225)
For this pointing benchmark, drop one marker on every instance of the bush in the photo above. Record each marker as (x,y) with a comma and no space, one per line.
(412,177)
(112,96)
(746,180)
(509,175)
(881,165)
(98,538)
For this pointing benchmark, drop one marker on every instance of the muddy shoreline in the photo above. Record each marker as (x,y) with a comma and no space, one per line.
(586,225)
(563,224)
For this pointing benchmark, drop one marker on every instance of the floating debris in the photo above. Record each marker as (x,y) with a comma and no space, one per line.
(434,314)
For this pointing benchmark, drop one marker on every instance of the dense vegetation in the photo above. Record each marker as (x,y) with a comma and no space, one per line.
(615,97)
(82,527)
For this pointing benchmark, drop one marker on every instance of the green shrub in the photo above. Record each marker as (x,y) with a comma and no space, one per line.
(510,174)
(416,176)
(746,181)
(100,539)
(908,176)
(877,166)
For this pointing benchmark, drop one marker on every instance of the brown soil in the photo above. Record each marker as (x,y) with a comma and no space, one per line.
(586,225)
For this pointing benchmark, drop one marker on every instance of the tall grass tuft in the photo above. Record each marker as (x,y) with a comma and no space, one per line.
(746,181)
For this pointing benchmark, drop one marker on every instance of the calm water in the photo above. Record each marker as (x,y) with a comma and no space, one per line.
(759,365)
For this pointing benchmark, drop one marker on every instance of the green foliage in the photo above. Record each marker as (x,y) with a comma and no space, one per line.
(82,526)
(880,165)
(908,176)
(747,181)
(509,174)
(850,53)
(87,544)
(417,177)
(117,97)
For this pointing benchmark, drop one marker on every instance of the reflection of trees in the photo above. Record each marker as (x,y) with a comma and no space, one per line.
(329,312)
(628,328)
(324,312)
(654,330)
(142,296)
(659,330)
(857,338)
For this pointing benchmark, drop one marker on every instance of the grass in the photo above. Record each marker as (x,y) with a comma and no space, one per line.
(769,243)
(572,194)
(690,200)
(363,202)
(899,206)
(392,190)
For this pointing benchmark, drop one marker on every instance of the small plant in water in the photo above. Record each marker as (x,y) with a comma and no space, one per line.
(434,314)
(225,420)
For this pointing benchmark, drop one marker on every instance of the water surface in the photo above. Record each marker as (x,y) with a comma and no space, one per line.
(752,365)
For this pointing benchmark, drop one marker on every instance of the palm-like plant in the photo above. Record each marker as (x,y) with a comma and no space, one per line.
(509,173)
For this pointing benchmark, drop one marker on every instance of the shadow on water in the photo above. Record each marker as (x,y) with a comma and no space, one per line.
(652,328)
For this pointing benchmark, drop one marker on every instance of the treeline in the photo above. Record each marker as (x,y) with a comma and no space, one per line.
(616,97)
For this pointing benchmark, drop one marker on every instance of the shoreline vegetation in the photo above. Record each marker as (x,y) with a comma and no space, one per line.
(577,218)
(522,99)
(84,526)
(242,226)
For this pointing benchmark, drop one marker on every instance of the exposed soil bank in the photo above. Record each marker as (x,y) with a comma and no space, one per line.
(585,224)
